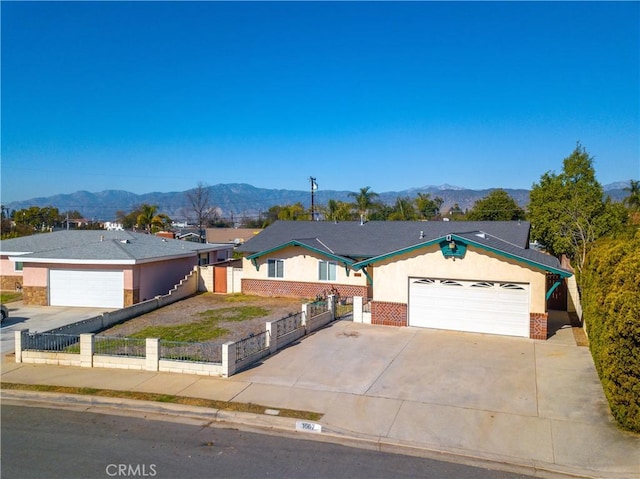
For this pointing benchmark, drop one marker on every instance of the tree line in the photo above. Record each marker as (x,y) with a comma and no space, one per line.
(567,210)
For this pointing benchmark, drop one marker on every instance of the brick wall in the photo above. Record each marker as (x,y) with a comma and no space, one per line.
(538,325)
(36,295)
(296,289)
(388,314)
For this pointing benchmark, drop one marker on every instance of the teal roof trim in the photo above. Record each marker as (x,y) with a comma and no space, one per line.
(341,259)
(464,241)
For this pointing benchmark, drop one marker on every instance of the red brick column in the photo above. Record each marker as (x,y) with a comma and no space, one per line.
(538,325)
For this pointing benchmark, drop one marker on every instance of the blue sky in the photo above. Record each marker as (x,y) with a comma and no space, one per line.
(145,96)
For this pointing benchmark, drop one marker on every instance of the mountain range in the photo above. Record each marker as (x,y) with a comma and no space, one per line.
(240,199)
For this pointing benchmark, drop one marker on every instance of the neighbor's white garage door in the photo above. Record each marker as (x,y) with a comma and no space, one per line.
(475,306)
(100,289)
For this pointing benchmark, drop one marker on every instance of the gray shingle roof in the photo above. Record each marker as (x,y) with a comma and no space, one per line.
(100,245)
(360,242)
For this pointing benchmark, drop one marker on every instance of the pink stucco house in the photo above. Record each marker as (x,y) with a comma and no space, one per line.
(100,268)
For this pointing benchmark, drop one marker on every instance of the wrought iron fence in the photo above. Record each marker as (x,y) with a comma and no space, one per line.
(62,343)
(317,307)
(115,346)
(195,352)
(288,323)
(251,345)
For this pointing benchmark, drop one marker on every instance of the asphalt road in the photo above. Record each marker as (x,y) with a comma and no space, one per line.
(48,443)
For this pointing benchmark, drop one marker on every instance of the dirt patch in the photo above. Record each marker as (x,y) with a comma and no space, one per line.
(189,311)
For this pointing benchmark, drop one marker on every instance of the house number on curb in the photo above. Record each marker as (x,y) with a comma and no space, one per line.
(308,427)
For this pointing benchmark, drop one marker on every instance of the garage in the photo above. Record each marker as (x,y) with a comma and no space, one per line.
(474,306)
(98,289)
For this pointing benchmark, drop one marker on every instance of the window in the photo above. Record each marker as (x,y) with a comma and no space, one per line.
(275,268)
(327,271)
(17,266)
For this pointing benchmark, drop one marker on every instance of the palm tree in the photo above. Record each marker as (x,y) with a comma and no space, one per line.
(145,218)
(364,200)
(633,200)
(403,210)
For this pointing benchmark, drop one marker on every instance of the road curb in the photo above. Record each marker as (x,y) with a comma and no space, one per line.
(210,417)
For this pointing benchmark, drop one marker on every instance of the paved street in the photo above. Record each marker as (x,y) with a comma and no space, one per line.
(46,443)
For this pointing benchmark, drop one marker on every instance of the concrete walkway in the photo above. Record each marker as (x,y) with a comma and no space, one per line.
(535,406)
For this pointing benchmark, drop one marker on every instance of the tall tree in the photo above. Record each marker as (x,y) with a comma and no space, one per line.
(403,210)
(567,210)
(633,200)
(496,206)
(456,213)
(427,207)
(293,212)
(364,200)
(337,211)
(150,220)
(200,203)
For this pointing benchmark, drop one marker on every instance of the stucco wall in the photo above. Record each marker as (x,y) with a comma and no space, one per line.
(157,278)
(36,275)
(391,277)
(9,274)
(300,265)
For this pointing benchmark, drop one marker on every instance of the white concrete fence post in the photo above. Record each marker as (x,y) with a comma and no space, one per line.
(331,304)
(18,339)
(272,337)
(152,354)
(305,314)
(87,346)
(357,309)
(228,359)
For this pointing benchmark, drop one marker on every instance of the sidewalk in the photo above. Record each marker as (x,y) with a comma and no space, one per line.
(552,425)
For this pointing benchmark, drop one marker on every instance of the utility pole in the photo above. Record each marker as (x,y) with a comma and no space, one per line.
(314,187)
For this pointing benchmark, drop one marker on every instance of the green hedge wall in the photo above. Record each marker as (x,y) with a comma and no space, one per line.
(611,311)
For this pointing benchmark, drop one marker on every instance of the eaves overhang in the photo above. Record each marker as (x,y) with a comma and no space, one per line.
(90,261)
(341,259)
(464,241)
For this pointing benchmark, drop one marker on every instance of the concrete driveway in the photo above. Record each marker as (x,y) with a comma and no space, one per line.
(39,318)
(525,401)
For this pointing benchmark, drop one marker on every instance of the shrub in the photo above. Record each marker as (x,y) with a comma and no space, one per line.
(611,307)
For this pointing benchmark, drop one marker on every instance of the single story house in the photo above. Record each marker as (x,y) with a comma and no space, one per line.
(99,268)
(477,276)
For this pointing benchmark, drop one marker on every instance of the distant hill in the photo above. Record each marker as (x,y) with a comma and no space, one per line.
(240,199)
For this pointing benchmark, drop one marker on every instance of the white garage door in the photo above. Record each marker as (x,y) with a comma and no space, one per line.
(476,306)
(100,289)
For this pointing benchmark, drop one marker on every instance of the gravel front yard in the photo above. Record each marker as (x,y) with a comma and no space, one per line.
(189,311)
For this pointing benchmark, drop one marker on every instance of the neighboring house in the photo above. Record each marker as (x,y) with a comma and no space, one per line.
(466,276)
(236,236)
(113,226)
(99,268)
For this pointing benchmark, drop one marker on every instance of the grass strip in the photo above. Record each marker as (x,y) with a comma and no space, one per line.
(164,398)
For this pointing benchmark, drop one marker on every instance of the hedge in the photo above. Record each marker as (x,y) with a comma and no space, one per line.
(611,311)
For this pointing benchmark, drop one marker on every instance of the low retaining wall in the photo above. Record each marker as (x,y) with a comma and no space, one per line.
(258,346)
